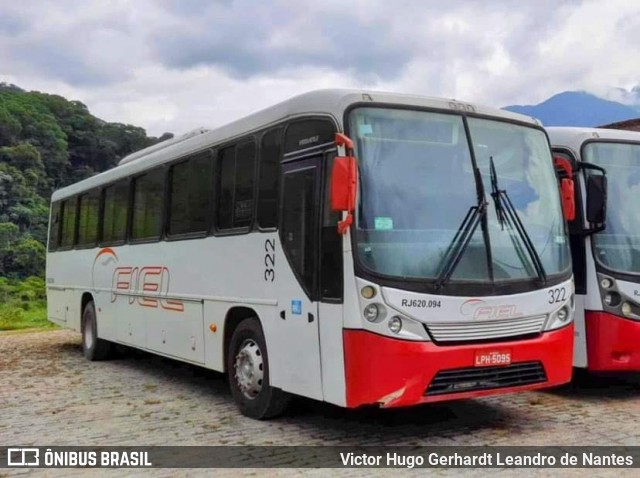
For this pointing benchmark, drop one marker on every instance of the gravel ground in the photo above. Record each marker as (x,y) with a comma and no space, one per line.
(50,395)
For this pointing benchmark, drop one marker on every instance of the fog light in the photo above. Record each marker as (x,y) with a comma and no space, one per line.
(563,314)
(626,309)
(395,324)
(371,312)
(368,292)
(606,283)
(612,299)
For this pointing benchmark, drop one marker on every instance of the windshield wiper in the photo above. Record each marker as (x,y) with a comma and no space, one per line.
(460,241)
(507,214)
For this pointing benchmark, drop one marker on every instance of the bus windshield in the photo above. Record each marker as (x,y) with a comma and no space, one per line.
(618,246)
(418,182)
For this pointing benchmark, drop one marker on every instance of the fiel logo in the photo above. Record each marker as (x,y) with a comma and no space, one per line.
(147,286)
(478,310)
(23,457)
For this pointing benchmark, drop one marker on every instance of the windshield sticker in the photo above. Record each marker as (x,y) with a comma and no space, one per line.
(365,129)
(383,223)
(296,307)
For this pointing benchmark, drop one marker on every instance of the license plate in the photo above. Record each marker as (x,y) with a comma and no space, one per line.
(492,358)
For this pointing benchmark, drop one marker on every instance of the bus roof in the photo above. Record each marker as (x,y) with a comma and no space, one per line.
(572,138)
(329,102)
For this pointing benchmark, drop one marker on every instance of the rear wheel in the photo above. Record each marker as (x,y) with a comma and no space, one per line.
(93,347)
(248,373)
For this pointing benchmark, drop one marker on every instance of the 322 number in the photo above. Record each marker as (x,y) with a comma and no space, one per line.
(270,260)
(557,295)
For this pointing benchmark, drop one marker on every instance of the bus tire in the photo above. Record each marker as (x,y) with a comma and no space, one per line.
(93,348)
(248,373)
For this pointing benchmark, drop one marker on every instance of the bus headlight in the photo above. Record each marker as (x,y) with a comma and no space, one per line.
(368,292)
(371,312)
(606,283)
(563,314)
(561,317)
(395,324)
(631,310)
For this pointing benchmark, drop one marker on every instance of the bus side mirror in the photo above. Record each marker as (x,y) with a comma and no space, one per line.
(344,179)
(567,188)
(596,199)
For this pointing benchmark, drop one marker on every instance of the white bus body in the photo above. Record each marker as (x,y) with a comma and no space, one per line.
(606,266)
(221,250)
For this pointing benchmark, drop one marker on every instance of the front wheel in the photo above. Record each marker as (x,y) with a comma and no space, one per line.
(93,347)
(248,373)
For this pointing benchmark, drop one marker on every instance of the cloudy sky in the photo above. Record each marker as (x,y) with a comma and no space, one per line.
(173,65)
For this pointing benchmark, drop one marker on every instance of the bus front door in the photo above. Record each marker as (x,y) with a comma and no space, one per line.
(298,330)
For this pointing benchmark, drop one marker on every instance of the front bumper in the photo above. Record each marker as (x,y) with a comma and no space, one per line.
(613,342)
(393,373)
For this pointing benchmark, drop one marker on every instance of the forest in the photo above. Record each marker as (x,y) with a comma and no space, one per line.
(46,142)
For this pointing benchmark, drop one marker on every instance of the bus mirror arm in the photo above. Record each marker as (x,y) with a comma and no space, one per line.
(567,188)
(344,180)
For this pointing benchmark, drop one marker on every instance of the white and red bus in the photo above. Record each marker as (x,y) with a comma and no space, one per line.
(606,257)
(354,247)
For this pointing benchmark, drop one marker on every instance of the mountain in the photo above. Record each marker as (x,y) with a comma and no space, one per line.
(47,142)
(577,108)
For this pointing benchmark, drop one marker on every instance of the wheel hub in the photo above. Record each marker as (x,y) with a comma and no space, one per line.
(249,369)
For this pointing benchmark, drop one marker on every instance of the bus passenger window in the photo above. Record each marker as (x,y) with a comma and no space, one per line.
(245,173)
(114,218)
(148,200)
(88,218)
(69,223)
(54,227)
(235,192)
(191,192)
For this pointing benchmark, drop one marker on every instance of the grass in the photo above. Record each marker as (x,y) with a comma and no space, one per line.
(16,318)
(23,304)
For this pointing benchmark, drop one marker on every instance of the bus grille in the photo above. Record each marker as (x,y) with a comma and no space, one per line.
(469,331)
(485,378)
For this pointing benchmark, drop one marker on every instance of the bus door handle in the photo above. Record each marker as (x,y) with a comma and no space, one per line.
(310,317)
(282,314)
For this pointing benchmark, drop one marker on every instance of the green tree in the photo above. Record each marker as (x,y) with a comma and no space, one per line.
(48,142)
(29,258)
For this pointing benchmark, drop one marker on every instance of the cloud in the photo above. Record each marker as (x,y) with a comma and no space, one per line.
(249,38)
(11,24)
(168,65)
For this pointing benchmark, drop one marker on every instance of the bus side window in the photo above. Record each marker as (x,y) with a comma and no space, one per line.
(270,153)
(235,192)
(88,218)
(54,226)
(191,192)
(148,206)
(69,210)
(245,178)
(114,217)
